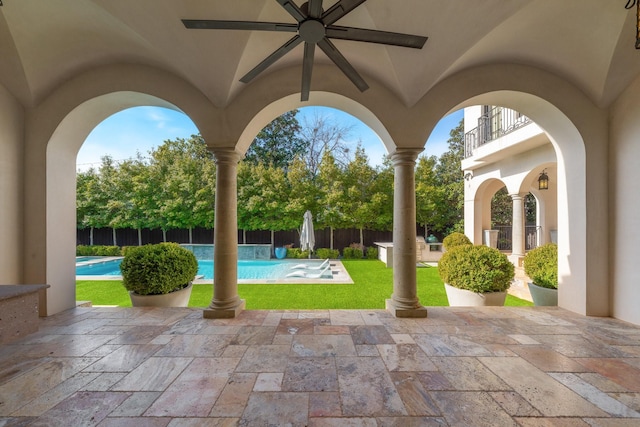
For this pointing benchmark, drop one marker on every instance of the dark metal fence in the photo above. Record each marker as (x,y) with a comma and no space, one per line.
(341,237)
(504,237)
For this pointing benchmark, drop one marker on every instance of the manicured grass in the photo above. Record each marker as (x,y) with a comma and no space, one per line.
(373,284)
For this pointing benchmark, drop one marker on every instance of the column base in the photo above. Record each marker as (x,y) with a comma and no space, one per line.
(224,313)
(516,259)
(413,313)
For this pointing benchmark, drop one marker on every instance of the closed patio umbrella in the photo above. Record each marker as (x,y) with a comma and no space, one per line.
(307,237)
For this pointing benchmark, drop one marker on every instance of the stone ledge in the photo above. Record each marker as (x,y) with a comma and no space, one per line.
(19,311)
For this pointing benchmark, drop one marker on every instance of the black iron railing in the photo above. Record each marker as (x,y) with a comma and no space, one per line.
(531,233)
(494,123)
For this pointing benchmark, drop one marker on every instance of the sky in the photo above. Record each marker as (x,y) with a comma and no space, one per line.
(140,129)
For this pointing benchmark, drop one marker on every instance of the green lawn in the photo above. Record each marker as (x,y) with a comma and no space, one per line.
(373,284)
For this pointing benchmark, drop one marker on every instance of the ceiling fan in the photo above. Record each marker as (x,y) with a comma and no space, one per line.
(314,27)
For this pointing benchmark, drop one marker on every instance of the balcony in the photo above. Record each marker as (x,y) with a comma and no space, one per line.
(496,123)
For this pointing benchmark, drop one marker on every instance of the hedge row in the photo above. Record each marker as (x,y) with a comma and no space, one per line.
(352,252)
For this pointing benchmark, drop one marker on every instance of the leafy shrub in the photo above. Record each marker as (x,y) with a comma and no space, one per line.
(98,250)
(324,253)
(541,265)
(455,239)
(372,252)
(476,268)
(352,253)
(158,269)
(297,253)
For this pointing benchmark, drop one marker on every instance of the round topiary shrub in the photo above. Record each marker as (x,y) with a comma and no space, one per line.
(541,265)
(476,268)
(158,269)
(455,239)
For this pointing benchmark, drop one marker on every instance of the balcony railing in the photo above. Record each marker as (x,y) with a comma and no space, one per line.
(495,123)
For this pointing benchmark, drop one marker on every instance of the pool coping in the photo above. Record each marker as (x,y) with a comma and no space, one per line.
(340,276)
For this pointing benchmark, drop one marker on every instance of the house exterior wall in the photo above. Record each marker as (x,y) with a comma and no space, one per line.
(11,181)
(624,205)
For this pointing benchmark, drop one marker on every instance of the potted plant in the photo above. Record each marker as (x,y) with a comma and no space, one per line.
(455,239)
(541,265)
(159,275)
(475,275)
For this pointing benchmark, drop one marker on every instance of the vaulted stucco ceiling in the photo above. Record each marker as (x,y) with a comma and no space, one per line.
(587,42)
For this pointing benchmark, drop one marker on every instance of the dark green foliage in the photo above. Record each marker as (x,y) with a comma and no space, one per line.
(372,252)
(455,239)
(352,253)
(297,253)
(278,143)
(541,265)
(98,250)
(158,269)
(502,208)
(324,253)
(476,268)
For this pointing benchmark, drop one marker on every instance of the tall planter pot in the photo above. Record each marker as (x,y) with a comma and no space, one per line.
(173,299)
(543,296)
(464,298)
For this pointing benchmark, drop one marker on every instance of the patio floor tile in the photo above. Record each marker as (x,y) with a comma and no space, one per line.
(145,367)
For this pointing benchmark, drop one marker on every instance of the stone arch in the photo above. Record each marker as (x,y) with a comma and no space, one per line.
(578,131)
(56,130)
(61,155)
(479,206)
(325,99)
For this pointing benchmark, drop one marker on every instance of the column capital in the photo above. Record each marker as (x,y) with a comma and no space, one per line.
(517,196)
(405,156)
(226,155)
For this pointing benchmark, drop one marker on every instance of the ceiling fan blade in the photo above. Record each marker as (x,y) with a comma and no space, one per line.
(315,9)
(293,10)
(340,9)
(211,24)
(293,42)
(375,36)
(334,54)
(307,68)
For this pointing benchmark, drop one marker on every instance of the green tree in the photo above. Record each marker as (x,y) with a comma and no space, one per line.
(88,201)
(113,204)
(278,143)
(382,197)
(359,182)
(304,193)
(449,214)
(184,178)
(133,189)
(332,198)
(263,194)
(427,192)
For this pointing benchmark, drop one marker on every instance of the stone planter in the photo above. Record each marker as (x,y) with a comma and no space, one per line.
(543,296)
(174,299)
(464,298)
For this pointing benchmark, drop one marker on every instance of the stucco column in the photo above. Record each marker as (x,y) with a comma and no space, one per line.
(517,230)
(404,300)
(225,302)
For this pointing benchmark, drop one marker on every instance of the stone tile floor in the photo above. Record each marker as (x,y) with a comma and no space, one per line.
(499,366)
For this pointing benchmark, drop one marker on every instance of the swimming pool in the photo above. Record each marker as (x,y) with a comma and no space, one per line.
(247,269)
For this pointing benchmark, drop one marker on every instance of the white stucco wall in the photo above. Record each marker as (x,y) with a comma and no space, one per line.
(624,202)
(11,154)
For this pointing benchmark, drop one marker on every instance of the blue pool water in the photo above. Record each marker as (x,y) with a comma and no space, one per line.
(247,269)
